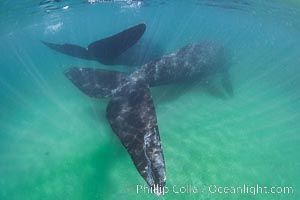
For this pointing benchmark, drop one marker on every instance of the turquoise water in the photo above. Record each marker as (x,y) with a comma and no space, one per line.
(55,142)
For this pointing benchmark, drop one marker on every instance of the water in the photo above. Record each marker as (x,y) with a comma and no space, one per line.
(55,142)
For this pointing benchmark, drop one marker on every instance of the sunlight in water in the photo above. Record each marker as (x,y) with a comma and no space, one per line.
(56,142)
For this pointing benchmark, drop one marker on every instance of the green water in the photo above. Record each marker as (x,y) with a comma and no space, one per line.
(55,142)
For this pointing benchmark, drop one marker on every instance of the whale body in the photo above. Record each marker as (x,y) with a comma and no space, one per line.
(131,112)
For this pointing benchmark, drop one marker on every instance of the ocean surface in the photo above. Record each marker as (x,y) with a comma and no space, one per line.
(55,142)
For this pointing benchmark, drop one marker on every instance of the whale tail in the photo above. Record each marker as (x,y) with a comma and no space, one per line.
(131,114)
(106,50)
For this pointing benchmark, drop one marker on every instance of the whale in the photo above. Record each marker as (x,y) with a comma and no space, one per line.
(131,110)
(107,50)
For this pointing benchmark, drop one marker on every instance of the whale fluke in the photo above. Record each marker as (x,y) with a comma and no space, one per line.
(106,50)
(97,83)
(69,49)
(132,116)
(131,111)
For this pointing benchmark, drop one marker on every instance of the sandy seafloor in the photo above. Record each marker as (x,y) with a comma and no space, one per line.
(55,142)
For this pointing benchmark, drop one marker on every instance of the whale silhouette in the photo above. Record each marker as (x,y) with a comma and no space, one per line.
(131,111)
(105,51)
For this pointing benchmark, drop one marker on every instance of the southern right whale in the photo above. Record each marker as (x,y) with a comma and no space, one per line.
(131,112)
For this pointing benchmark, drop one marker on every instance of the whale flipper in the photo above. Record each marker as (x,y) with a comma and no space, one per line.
(105,50)
(132,116)
(97,83)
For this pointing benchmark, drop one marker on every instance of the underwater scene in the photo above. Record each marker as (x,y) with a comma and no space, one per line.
(128,99)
